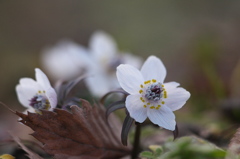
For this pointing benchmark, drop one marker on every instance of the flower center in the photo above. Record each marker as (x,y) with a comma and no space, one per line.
(40,101)
(153,94)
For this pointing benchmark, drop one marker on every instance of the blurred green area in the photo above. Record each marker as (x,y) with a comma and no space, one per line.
(198,41)
(185,148)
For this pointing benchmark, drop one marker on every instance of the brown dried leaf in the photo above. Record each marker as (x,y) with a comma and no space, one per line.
(84,133)
(31,154)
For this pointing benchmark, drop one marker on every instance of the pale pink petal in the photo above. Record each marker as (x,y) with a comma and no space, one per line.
(129,78)
(153,68)
(135,108)
(163,117)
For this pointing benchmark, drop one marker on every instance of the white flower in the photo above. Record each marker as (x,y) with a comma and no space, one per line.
(106,58)
(36,95)
(66,60)
(149,95)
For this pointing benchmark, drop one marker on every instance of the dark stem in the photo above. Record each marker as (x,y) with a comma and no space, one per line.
(136,147)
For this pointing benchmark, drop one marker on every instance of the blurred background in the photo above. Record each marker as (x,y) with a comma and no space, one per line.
(198,41)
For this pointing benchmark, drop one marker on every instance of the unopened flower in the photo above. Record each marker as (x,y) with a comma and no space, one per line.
(149,96)
(36,95)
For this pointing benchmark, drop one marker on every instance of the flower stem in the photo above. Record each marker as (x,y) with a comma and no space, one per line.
(136,148)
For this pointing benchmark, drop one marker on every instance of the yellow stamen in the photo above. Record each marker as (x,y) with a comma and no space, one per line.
(165,94)
(162,85)
(148,103)
(140,91)
(153,80)
(146,82)
(152,107)
(158,107)
(141,98)
(145,106)
(163,102)
(141,86)
(39,92)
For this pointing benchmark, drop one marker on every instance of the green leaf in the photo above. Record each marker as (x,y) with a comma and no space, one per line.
(147,154)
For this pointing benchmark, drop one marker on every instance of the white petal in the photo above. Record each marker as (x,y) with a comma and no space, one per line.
(42,78)
(129,78)
(52,97)
(171,85)
(102,46)
(98,83)
(25,94)
(65,61)
(176,97)
(31,85)
(163,117)
(131,59)
(153,68)
(135,108)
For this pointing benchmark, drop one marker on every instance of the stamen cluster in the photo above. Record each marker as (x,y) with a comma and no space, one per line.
(40,101)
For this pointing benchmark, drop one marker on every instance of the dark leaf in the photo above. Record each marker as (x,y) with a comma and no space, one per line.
(84,133)
(115,106)
(175,132)
(128,121)
(63,89)
(111,92)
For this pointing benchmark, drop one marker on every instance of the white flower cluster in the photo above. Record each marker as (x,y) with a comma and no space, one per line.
(149,97)
(67,60)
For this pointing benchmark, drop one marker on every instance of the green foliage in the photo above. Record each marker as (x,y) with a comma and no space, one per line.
(185,148)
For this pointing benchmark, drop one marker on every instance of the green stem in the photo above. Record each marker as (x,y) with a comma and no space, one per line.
(136,147)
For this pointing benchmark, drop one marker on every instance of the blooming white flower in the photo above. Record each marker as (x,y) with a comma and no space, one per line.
(36,95)
(149,95)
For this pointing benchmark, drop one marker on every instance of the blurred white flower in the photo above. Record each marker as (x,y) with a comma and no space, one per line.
(104,51)
(36,95)
(68,60)
(149,96)
(65,61)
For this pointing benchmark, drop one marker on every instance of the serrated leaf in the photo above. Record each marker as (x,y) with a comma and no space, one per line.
(84,133)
